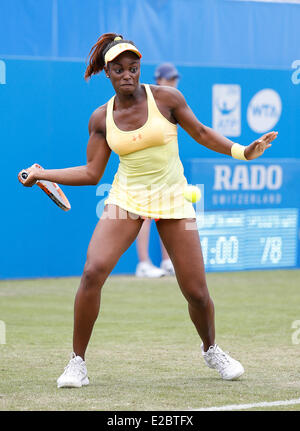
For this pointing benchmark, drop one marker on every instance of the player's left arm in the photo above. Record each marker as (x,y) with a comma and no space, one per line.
(208,137)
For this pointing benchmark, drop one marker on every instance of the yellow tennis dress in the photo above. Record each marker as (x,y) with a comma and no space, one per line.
(150,179)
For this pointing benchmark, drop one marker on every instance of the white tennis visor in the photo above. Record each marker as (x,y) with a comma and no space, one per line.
(116,50)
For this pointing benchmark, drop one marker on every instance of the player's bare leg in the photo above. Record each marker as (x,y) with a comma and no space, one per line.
(111,238)
(114,233)
(184,249)
(182,242)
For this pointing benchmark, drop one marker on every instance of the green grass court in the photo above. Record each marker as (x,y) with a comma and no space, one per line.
(145,353)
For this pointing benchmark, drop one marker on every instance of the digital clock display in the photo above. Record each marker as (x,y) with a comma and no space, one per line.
(249,239)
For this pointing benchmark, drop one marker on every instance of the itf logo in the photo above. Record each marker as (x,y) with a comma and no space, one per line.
(264,110)
(2,72)
(227,109)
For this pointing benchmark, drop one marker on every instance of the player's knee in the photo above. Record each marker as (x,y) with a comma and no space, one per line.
(199,296)
(95,273)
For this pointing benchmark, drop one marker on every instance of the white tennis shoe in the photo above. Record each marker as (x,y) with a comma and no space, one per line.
(75,374)
(228,368)
(148,270)
(167,266)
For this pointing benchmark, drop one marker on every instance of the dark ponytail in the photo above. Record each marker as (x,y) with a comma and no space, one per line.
(96,55)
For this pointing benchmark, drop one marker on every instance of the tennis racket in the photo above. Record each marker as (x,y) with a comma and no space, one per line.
(54,192)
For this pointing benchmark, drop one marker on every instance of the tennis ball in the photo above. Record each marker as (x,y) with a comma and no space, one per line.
(192,194)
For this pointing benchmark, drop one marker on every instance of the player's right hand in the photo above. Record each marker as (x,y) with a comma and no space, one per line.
(32,175)
(259,146)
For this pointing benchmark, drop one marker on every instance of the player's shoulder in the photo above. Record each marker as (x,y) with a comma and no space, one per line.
(99,112)
(167,94)
(97,119)
(162,90)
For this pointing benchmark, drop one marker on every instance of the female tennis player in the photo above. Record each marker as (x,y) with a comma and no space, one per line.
(139,124)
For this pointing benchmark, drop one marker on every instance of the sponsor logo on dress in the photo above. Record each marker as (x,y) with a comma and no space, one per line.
(136,137)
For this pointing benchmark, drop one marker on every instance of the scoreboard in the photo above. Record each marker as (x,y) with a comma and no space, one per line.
(246,222)
(248,239)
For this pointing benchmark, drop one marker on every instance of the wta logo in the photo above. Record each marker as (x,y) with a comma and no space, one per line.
(2,72)
(264,110)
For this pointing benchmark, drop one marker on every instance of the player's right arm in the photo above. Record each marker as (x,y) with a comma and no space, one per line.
(98,153)
(176,108)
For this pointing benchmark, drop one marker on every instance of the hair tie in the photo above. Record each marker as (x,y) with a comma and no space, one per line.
(118,38)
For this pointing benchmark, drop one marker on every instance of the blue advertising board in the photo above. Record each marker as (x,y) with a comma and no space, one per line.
(45,109)
(249,214)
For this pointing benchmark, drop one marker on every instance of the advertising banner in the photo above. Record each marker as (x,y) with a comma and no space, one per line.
(249,217)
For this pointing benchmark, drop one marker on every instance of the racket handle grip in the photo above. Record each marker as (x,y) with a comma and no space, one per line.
(24,175)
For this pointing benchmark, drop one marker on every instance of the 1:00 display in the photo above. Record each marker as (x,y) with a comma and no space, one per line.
(226,250)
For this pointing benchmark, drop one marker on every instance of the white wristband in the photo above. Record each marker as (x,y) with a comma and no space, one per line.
(238,152)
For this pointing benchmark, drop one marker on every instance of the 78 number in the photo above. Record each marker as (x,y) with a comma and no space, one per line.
(272,249)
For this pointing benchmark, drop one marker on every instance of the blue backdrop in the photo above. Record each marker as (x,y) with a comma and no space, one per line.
(196,32)
(46,104)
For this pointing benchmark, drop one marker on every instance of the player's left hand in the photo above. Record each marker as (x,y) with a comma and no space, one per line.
(258,147)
